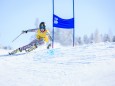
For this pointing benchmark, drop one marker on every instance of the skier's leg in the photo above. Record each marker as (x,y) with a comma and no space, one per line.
(28,45)
(47,41)
(48,44)
(35,44)
(39,42)
(31,48)
(23,48)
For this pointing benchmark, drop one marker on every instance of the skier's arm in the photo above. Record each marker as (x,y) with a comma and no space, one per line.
(50,38)
(30,30)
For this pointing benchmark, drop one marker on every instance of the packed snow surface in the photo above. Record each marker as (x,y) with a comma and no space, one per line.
(86,65)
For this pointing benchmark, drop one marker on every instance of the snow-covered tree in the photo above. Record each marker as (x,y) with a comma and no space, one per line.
(113,39)
(85,39)
(96,36)
(79,41)
(101,38)
(57,34)
(106,38)
(63,36)
(7,48)
(110,35)
(91,38)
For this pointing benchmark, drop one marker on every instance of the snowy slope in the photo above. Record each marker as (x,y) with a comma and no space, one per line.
(87,65)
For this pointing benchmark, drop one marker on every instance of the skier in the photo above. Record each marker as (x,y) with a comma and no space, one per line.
(42,37)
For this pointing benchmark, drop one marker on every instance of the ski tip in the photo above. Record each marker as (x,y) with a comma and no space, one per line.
(10,53)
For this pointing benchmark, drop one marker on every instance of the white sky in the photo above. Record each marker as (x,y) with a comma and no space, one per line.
(18,15)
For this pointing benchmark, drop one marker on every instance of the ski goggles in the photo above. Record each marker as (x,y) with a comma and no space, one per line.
(42,27)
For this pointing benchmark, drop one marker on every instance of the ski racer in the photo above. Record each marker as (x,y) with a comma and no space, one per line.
(42,37)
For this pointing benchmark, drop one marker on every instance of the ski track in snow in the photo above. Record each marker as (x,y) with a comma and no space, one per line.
(86,65)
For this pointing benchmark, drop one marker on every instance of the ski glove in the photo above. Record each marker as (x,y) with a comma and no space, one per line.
(24,31)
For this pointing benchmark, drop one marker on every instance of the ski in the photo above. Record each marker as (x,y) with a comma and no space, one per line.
(17,54)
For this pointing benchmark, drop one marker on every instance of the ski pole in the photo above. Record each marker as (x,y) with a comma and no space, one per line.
(17,37)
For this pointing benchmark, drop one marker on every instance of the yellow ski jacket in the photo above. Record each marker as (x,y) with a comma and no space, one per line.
(44,35)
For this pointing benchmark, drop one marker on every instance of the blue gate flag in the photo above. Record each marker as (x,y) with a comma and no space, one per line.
(63,23)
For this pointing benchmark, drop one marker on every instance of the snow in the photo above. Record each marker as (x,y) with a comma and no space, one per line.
(86,65)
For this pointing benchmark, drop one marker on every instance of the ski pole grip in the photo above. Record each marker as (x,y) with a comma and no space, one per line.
(24,31)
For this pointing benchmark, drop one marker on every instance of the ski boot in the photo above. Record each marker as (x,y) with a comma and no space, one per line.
(15,51)
(48,46)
